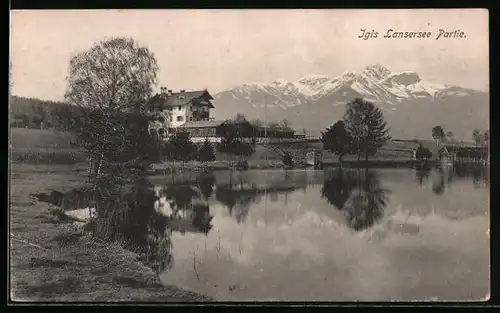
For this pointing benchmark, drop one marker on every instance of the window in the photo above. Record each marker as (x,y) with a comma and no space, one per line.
(190,118)
(170,118)
(179,119)
(180,107)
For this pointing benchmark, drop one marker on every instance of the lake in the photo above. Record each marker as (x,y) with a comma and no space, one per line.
(330,235)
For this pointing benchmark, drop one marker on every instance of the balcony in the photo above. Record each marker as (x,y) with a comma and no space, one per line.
(201,116)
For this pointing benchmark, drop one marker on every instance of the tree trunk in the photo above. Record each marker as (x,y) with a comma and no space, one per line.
(99,167)
(90,169)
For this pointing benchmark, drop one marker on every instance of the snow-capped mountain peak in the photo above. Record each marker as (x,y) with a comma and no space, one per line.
(376,71)
(313,80)
(375,83)
(411,104)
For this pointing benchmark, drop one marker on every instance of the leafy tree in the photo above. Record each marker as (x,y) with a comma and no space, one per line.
(367,128)
(111,80)
(239,118)
(180,147)
(449,136)
(423,153)
(438,133)
(285,124)
(233,144)
(478,137)
(206,152)
(110,85)
(273,125)
(20,120)
(336,139)
(40,117)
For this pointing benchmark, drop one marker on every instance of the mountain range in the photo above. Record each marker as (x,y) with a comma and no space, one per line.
(411,105)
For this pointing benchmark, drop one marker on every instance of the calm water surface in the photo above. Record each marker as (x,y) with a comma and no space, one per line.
(339,235)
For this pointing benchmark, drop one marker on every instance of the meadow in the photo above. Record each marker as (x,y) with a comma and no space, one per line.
(35,146)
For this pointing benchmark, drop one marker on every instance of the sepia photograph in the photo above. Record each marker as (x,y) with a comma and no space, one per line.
(172,156)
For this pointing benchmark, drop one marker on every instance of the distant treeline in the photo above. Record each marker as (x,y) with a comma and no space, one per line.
(39,114)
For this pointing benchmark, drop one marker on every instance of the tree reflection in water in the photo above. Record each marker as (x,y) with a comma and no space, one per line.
(478,172)
(359,194)
(422,173)
(189,204)
(236,200)
(239,196)
(130,215)
(439,184)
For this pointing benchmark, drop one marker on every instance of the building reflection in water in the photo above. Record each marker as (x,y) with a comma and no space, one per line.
(444,176)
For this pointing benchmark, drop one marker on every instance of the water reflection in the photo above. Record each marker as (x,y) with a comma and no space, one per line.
(403,221)
(422,173)
(358,193)
(134,219)
(444,176)
(225,214)
(478,173)
(188,208)
(237,200)
(439,184)
(125,212)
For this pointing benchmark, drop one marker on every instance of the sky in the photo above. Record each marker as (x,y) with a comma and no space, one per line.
(219,49)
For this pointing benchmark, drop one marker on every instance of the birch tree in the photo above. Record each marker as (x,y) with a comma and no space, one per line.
(111,84)
(114,77)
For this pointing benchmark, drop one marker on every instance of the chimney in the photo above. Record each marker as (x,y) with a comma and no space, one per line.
(169,92)
(183,90)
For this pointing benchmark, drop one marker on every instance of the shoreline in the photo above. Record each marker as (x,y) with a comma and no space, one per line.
(166,168)
(52,260)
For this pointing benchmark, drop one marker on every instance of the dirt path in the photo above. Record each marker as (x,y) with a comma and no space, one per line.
(53,261)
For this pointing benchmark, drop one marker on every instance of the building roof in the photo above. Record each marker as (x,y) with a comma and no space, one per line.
(200,97)
(202,124)
(275,129)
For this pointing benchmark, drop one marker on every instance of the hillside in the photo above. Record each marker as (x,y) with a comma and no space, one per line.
(412,105)
(33,111)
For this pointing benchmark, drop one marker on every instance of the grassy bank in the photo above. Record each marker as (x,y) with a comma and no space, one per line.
(34,146)
(51,260)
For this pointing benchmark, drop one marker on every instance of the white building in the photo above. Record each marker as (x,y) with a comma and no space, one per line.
(183,106)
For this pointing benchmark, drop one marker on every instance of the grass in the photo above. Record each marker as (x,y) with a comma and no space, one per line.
(51,260)
(36,138)
(35,146)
